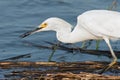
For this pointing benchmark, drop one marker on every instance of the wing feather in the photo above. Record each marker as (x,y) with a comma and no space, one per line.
(101,22)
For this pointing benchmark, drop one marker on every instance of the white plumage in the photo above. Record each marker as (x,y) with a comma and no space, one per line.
(93,24)
(101,22)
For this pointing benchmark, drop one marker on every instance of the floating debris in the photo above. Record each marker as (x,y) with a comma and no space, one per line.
(57,70)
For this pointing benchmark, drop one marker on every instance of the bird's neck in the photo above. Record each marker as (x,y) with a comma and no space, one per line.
(63,36)
(66,35)
(63,31)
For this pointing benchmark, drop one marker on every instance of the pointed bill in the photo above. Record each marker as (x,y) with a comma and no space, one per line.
(29,32)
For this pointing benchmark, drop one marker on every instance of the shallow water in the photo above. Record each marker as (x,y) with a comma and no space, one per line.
(19,16)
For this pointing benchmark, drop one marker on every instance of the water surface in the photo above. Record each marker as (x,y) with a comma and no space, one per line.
(19,16)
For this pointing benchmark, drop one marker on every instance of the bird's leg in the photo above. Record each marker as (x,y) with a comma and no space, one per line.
(55,46)
(97,44)
(83,44)
(86,44)
(113,55)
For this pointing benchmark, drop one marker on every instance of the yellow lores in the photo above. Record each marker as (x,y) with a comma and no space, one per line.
(43,25)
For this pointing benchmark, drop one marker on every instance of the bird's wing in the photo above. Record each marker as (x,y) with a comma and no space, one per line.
(101,23)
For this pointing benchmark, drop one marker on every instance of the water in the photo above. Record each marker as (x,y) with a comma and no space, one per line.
(19,16)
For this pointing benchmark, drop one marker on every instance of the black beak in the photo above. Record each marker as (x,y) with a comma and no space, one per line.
(29,32)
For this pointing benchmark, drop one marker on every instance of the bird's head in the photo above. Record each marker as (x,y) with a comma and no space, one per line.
(54,24)
(48,24)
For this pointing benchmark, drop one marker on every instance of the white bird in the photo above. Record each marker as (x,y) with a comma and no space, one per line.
(93,24)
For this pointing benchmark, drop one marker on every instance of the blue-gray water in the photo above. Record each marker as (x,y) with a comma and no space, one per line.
(19,16)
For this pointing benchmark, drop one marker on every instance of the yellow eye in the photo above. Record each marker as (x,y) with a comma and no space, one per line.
(44,25)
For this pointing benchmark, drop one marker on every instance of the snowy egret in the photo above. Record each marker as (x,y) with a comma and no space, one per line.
(93,24)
